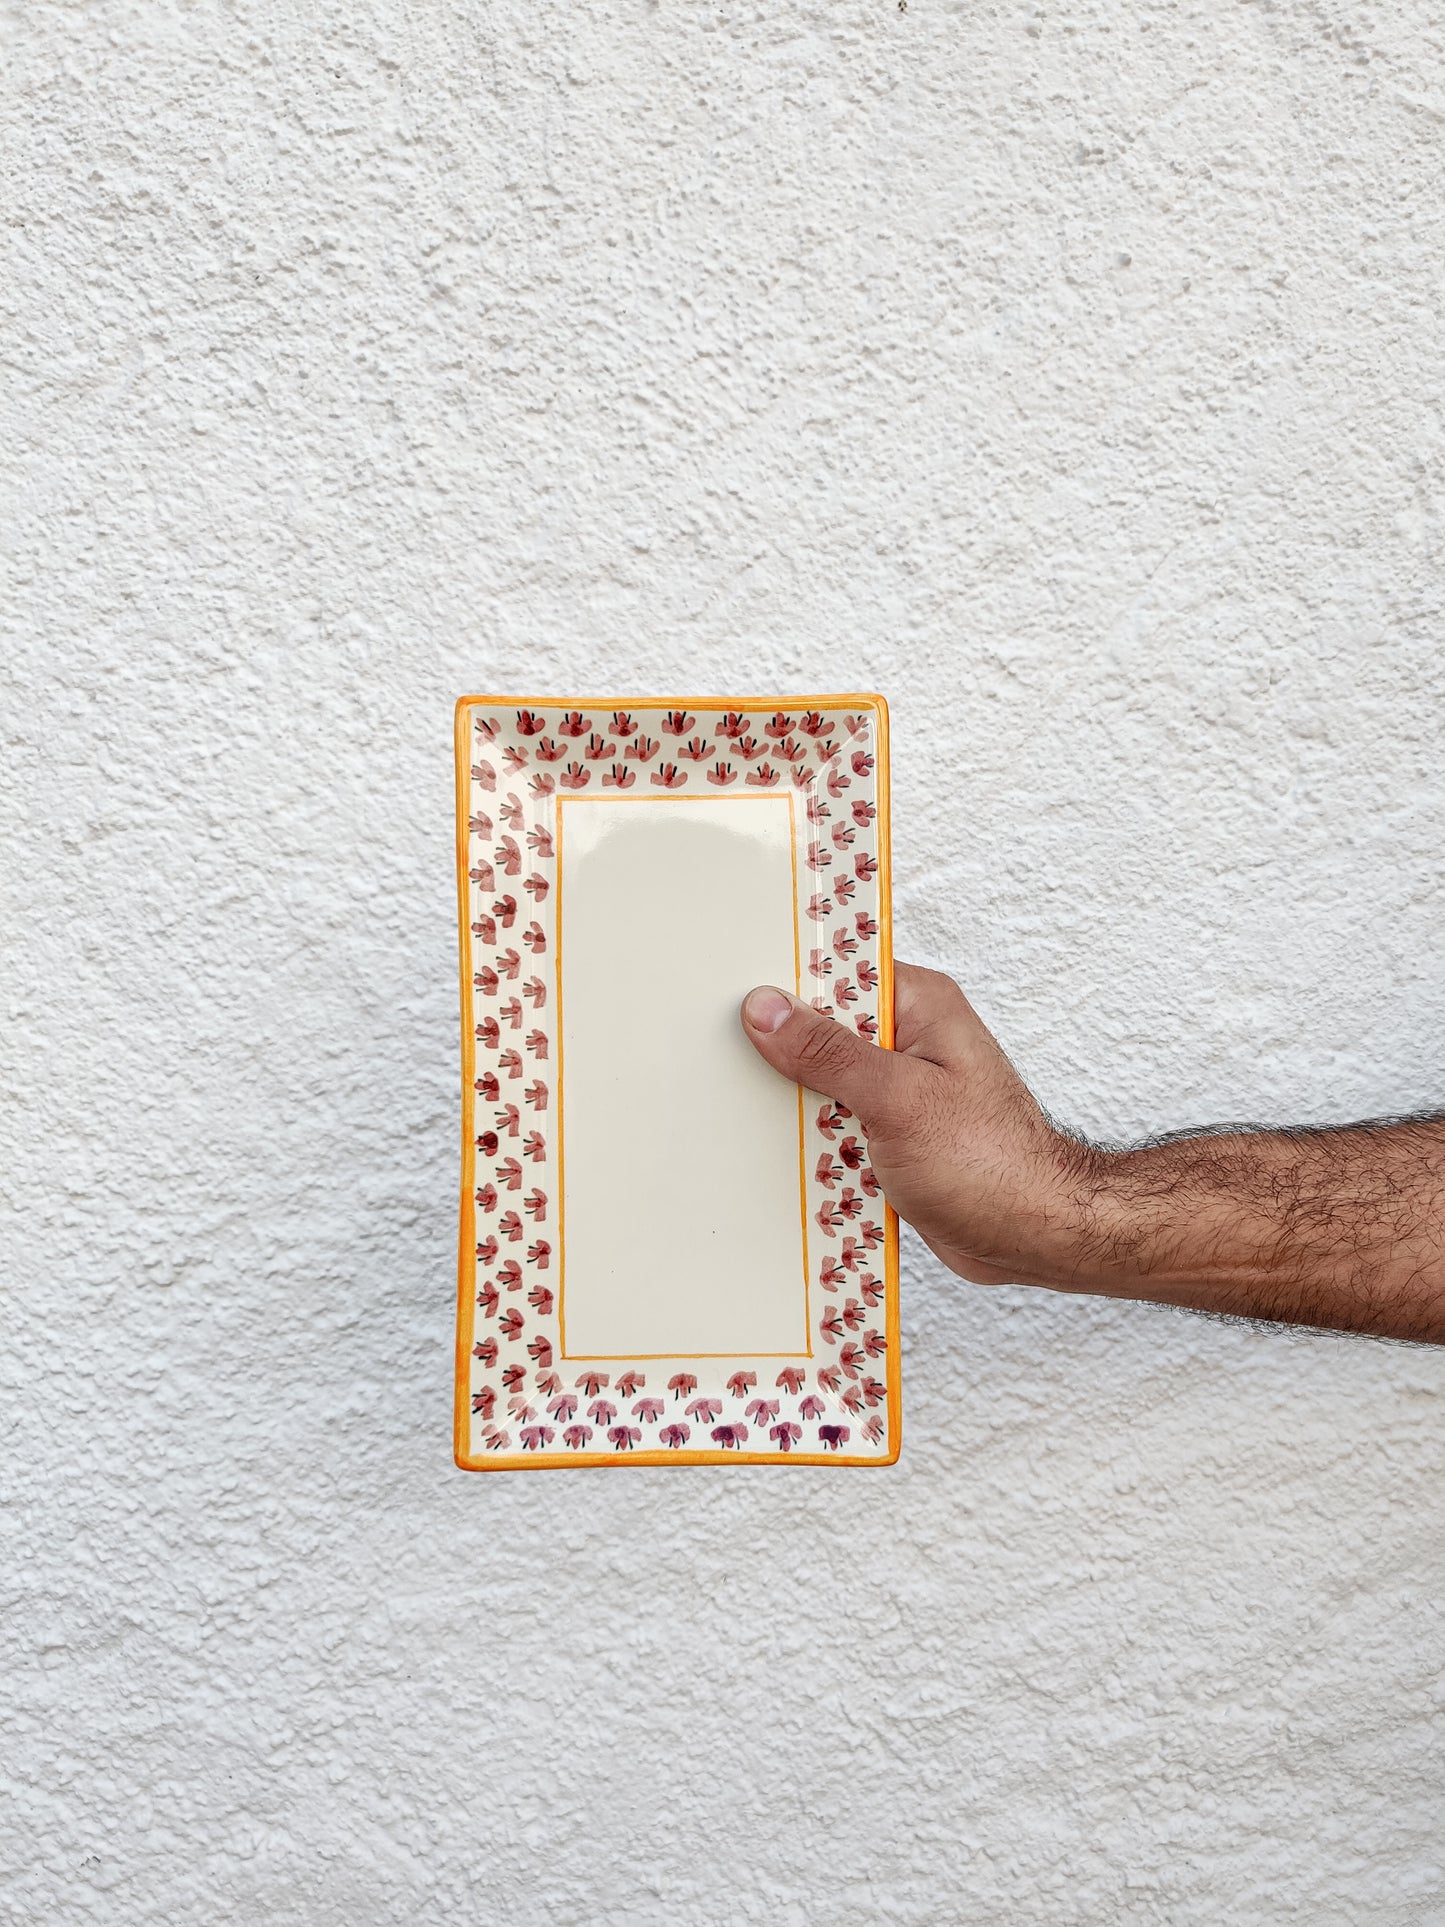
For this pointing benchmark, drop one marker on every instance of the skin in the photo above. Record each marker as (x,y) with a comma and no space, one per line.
(1342,1228)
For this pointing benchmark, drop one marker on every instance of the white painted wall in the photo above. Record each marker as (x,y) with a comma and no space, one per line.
(1070,374)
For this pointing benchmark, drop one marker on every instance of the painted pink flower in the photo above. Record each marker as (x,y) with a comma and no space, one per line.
(762,1409)
(741,1383)
(529,723)
(536,1436)
(722,774)
(704,1410)
(681,1384)
(791,1379)
(601,1411)
(577,1436)
(730,1437)
(619,777)
(786,1435)
(812,1406)
(834,1436)
(675,1436)
(629,1382)
(648,1410)
(624,1437)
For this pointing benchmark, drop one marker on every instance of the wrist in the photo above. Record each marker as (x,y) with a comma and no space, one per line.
(1086,1241)
(1126,1231)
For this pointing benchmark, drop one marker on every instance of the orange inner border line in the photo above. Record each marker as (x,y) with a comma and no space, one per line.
(682,1358)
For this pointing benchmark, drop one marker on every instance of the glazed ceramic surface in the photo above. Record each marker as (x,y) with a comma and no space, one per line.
(669,1252)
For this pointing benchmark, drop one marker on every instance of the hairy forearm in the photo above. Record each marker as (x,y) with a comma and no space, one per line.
(1341,1228)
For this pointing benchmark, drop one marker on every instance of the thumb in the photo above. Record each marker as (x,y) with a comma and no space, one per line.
(820,1054)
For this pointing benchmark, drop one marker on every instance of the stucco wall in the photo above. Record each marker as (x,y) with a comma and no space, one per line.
(1072,375)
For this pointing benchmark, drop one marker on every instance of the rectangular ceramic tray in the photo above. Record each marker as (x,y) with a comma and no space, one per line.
(669,1254)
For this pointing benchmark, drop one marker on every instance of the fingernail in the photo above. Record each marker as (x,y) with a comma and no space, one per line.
(766,1008)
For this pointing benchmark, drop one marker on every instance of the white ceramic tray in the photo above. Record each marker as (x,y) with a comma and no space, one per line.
(669,1254)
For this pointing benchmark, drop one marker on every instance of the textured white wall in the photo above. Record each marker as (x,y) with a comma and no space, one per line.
(1073,376)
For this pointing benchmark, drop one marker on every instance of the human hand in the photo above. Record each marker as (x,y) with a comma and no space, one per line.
(960,1147)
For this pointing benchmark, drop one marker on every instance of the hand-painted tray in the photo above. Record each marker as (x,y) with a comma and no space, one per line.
(669,1254)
